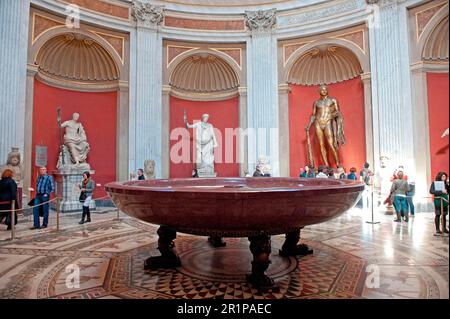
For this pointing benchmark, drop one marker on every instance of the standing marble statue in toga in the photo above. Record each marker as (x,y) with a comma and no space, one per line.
(205,142)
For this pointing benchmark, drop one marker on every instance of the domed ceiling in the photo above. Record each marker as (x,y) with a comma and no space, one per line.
(234,6)
(225,2)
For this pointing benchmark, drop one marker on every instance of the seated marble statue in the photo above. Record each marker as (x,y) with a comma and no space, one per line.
(75,139)
(13,163)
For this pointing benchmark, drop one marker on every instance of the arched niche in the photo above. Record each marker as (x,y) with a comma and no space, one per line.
(203,74)
(78,60)
(436,45)
(350,50)
(204,81)
(81,72)
(74,57)
(428,43)
(324,64)
(344,67)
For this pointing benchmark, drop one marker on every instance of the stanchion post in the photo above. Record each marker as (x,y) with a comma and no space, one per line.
(442,215)
(372,221)
(13,219)
(58,210)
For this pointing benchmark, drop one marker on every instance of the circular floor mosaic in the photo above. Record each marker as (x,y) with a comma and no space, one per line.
(110,256)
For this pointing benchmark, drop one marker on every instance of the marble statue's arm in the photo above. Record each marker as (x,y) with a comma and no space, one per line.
(64,124)
(82,132)
(313,117)
(215,144)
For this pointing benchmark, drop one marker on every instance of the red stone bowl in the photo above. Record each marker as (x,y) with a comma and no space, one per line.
(235,207)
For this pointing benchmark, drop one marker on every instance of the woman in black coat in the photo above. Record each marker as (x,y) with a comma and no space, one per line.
(441,176)
(8,193)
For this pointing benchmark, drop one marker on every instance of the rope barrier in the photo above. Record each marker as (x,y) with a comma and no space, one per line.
(22,209)
(44,203)
(12,211)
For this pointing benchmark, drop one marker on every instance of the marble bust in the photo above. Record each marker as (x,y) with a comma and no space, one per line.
(264,165)
(14,163)
(149,169)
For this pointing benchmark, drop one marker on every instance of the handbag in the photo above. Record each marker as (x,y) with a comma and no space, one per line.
(31,202)
(82,197)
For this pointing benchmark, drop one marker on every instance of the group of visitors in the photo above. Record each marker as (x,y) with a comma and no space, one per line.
(40,203)
(401,195)
(365,175)
(338,173)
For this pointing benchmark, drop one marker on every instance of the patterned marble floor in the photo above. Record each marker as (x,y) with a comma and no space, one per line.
(352,259)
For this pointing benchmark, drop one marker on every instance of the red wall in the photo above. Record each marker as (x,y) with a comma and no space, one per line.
(98,114)
(437,85)
(222,114)
(350,97)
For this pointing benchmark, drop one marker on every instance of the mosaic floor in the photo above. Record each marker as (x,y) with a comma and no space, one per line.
(352,259)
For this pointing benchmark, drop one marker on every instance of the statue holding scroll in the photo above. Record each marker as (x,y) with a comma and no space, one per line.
(329,125)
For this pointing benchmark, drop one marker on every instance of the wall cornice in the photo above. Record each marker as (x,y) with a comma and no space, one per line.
(59,8)
(320,13)
(437,67)
(301,18)
(77,86)
(204,96)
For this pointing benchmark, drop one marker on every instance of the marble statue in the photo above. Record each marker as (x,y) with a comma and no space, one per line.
(329,125)
(382,180)
(149,169)
(13,163)
(75,140)
(264,165)
(205,142)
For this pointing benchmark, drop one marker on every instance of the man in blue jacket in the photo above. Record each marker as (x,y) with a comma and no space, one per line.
(44,187)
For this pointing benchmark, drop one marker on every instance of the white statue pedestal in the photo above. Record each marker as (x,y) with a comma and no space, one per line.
(67,180)
(207,171)
(207,175)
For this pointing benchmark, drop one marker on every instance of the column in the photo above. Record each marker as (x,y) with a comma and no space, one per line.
(145,123)
(368,117)
(122,131)
(243,153)
(262,116)
(32,70)
(166,131)
(421,133)
(14,18)
(391,90)
(283,107)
